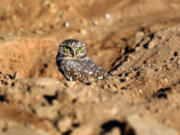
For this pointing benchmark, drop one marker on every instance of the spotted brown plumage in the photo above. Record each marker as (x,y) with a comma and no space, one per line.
(74,64)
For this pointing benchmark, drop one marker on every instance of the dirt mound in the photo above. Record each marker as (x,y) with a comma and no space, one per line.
(145,82)
(137,42)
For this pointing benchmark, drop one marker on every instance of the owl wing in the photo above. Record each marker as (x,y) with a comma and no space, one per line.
(92,69)
(80,69)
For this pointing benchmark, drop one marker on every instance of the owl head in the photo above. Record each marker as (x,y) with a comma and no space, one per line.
(72,48)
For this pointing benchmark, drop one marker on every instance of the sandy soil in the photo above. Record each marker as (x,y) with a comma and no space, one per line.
(136,41)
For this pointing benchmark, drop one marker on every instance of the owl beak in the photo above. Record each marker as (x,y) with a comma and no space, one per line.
(74,53)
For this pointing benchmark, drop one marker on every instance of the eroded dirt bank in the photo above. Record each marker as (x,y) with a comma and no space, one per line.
(135,41)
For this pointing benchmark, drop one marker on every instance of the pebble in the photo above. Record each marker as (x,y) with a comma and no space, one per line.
(139,36)
(166,80)
(64,124)
(83,32)
(61,14)
(47,3)
(39,31)
(66,24)
(107,16)
(152,44)
(95,22)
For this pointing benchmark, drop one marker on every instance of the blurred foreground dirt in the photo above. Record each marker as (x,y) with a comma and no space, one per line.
(137,41)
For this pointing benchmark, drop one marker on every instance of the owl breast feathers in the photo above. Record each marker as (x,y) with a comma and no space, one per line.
(74,64)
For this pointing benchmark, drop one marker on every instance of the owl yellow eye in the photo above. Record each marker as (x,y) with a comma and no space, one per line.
(80,48)
(66,48)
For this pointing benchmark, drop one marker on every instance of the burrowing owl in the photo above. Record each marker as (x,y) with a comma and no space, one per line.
(74,64)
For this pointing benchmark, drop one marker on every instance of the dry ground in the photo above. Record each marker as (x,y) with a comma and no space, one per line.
(138,44)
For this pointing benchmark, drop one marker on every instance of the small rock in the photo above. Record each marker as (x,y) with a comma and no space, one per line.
(66,24)
(61,15)
(39,31)
(64,124)
(139,36)
(107,16)
(95,22)
(83,32)
(47,3)
(152,44)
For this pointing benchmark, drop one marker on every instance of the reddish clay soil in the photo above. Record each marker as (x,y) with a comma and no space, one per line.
(136,41)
